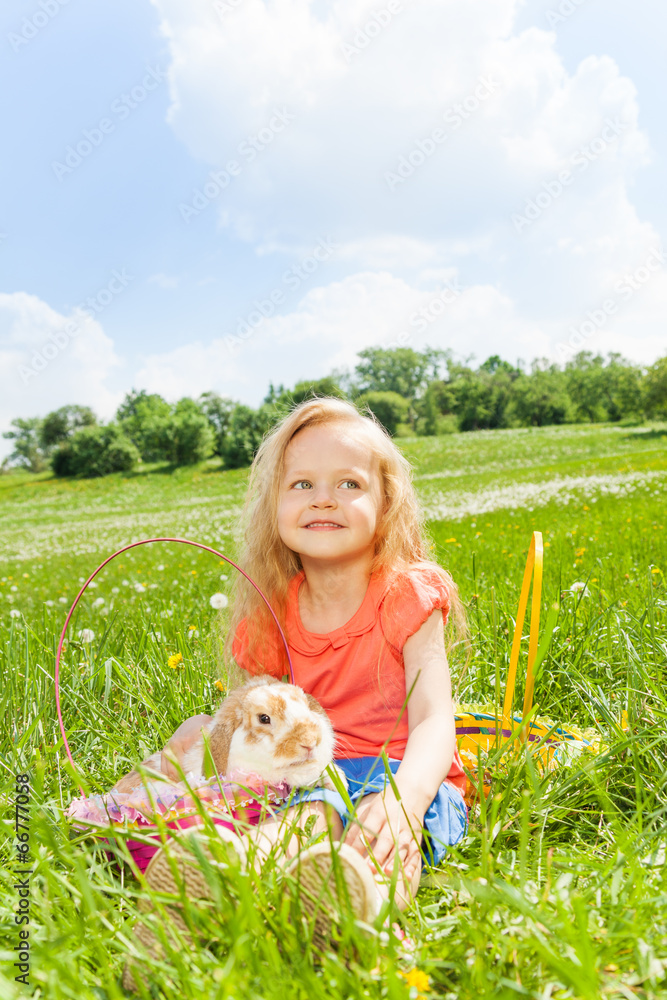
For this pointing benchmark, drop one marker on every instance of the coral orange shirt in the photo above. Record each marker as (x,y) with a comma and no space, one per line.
(357,671)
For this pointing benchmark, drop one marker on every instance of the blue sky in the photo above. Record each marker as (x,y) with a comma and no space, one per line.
(358,193)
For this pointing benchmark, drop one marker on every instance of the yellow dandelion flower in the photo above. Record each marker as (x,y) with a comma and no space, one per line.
(191,628)
(174,660)
(220,686)
(448,540)
(418,979)
(193,572)
(655,570)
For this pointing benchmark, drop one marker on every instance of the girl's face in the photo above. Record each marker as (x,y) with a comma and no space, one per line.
(330,500)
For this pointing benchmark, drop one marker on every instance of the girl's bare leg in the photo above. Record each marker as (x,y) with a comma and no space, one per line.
(274,831)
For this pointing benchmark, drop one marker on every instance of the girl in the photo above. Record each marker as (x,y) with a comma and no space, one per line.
(333,535)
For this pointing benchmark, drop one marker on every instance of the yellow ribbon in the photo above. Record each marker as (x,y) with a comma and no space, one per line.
(532,573)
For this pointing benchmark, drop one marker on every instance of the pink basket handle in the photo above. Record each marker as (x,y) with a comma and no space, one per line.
(133,545)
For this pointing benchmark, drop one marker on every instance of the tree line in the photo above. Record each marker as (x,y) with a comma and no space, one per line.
(410,392)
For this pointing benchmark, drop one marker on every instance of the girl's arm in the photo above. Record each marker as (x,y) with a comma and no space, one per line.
(428,755)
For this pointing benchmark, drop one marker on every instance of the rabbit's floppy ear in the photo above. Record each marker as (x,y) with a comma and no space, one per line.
(314,705)
(227,720)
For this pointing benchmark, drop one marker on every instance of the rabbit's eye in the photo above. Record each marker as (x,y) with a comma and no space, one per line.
(264,719)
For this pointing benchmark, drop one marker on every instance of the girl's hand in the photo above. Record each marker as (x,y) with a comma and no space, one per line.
(383,826)
(179,744)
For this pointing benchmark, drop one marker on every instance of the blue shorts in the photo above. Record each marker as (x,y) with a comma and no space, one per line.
(445,821)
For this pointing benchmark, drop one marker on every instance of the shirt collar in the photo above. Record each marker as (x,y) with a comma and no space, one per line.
(363,620)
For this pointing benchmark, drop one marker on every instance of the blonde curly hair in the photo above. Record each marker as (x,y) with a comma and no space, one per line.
(401,541)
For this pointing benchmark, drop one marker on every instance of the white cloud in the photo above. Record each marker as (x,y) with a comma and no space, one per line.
(513,119)
(42,366)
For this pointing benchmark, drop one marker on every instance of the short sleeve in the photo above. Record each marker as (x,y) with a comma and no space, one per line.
(410,600)
(270,655)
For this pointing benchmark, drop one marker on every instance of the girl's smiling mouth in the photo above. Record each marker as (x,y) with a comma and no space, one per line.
(323,525)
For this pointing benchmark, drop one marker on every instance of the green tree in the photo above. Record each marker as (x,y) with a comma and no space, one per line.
(27,452)
(59,425)
(541,398)
(190,433)
(246,430)
(656,388)
(146,420)
(398,369)
(390,408)
(218,411)
(95,451)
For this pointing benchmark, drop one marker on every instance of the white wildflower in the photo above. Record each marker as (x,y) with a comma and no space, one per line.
(14,613)
(49,604)
(115,590)
(218,601)
(98,602)
(156,636)
(63,600)
(579,587)
(126,583)
(14,589)
(223,577)
(86,634)
(92,584)
(139,587)
(160,568)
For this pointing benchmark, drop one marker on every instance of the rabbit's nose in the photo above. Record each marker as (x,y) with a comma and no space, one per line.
(308,749)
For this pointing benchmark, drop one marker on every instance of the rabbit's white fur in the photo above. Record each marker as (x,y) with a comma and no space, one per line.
(295,746)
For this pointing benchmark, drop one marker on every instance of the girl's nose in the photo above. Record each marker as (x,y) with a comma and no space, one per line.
(322,494)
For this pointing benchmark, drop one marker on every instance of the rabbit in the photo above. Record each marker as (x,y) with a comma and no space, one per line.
(267,727)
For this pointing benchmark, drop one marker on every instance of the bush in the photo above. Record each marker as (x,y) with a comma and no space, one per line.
(389,408)
(95,451)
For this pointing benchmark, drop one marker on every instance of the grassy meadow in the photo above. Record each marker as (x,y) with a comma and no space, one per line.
(559,888)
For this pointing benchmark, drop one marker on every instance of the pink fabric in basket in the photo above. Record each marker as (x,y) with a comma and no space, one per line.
(143,853)
(239,796)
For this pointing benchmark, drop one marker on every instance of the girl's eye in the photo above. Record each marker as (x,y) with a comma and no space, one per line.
(353,481)
(300,482)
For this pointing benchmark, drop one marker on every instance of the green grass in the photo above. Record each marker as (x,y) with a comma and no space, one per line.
(559,888)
